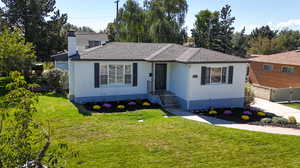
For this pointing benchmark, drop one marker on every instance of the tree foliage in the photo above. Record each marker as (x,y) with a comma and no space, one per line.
(15,54)
(159,21)
(240,43)
(31,17)
(214,30)
(23,142)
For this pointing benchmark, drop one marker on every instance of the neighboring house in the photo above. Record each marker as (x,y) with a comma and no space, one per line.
(193,78)
(85,40)
(277,71)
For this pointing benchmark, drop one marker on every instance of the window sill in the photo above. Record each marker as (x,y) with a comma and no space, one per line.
(116,86)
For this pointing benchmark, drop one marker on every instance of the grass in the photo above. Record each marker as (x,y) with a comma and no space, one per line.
(296,106)
(119,140)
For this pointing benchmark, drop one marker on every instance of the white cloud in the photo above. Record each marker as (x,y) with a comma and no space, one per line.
(293,24)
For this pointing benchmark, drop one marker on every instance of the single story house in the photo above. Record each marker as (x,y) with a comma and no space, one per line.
(85,40)
(169,74)
(277,70)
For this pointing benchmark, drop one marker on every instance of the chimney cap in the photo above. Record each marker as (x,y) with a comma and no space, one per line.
(71,33)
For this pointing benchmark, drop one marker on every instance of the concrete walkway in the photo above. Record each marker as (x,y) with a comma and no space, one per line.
(228,124)
(277,109)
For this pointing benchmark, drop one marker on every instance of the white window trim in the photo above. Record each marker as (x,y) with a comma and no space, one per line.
(292,68)
(268,65)
(218,83)
(116,84)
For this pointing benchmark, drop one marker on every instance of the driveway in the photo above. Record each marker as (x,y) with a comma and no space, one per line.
(276,108)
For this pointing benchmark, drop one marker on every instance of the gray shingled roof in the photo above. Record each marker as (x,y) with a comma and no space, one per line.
(156,52)
(62,56)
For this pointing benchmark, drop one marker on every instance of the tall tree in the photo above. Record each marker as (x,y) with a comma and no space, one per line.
(264,31)
(15,53)
(226,30)
(288,40)
(111,32)
(206,28)
(263,45)
(30,16)
(167,18)
(240,43)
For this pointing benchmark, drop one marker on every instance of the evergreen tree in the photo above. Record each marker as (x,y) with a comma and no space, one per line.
(262,32)
(30,16)
(240,43)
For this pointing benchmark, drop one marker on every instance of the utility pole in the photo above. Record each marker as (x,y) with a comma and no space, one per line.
(117,18)
(117,13)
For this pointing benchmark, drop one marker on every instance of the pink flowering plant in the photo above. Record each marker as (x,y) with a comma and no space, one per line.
(132,103)
(247,113)
(106,105)
(227,112)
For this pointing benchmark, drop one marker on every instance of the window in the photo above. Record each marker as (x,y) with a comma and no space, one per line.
(216,75)
(287,69)
(115,74)
(268,67)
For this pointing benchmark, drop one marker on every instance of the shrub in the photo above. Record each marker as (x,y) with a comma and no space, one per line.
(132,103)
(245,117)
(212,112)
(292,120)
(261,114)
(266,120)
(56,80)
(96,107)
(298,125)
(249,95)
(280,120)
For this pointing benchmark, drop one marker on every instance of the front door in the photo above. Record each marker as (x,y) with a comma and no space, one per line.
(160,77)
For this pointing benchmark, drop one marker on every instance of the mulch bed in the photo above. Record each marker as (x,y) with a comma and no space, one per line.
(238,112)
(129,106)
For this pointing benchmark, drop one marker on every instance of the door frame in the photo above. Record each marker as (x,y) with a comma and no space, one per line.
(166,76)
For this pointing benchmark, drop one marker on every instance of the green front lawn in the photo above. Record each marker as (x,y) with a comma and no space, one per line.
(296,106)
(119,140)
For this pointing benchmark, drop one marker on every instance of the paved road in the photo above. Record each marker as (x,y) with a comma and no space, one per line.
(228,124)
(276,108)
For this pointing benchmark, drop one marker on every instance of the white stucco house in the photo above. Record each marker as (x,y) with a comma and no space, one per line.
(192,78)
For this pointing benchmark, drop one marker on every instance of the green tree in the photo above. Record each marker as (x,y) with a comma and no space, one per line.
(262,32)
(206,29)
(288,40)
(226,30)
(23,142)
(166,18)
(240,43)
(111,32)
(15,54)
(263,46)
(31,16)
(214,30)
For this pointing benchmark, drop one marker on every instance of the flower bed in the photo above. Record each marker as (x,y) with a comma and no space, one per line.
(250,116)
(120,106)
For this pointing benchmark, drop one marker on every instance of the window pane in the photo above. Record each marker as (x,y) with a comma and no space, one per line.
(268,67)
(127,79)
(120,74)
(287,69)
(224,75)
(103,75)
(112,74)
(207,76)
(128,69)
(216,75)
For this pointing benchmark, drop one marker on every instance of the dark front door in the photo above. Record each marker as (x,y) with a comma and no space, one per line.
(160,76)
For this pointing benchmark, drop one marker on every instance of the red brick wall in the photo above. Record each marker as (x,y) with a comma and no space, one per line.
(275,78)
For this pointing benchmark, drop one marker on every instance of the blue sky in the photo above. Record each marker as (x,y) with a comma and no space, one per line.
(249,13)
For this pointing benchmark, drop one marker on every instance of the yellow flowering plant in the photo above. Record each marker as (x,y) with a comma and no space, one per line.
(245,117)
(212,112)
(96,107)
(121,107)
(146,104)
(261,114)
